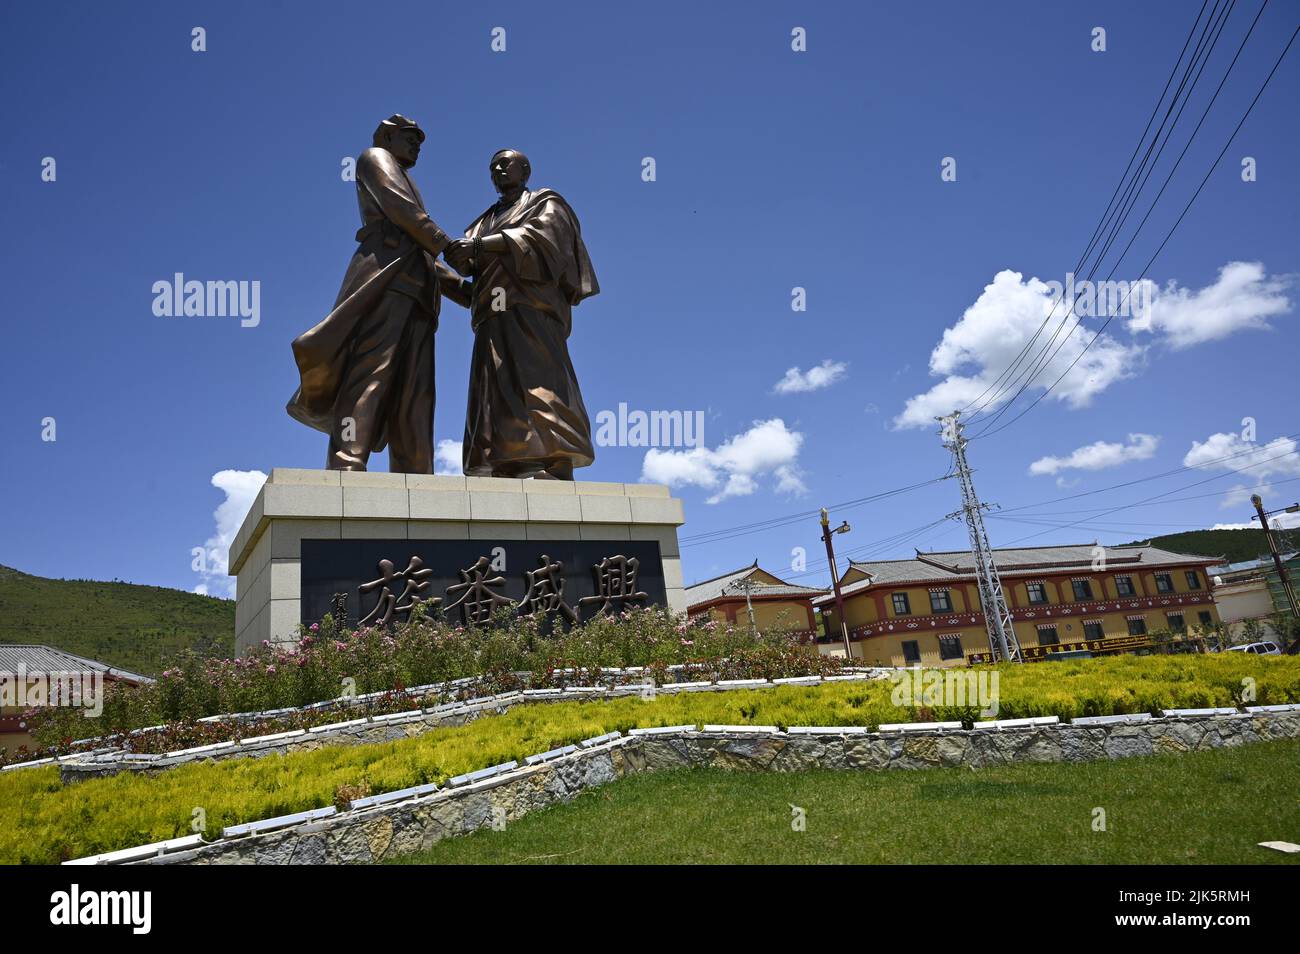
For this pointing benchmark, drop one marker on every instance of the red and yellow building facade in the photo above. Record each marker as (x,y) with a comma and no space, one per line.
(776,604)
(1103,600)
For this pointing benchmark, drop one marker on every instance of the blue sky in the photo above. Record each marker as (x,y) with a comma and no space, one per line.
(774,170)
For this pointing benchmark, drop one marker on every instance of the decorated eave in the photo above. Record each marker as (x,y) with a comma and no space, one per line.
(931,570)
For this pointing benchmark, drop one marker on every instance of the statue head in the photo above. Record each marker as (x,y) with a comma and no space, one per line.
(510,170)
(400,136)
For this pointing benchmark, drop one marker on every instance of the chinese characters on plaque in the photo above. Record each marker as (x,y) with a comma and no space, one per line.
(478,594)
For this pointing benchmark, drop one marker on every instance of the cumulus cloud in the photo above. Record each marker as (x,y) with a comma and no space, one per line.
(1276,458)
(733,468)
(1099,455)
(1242,298)
(975,352)
(814,379)
(1262,462)
(992,332)
(240,488)
(447,459)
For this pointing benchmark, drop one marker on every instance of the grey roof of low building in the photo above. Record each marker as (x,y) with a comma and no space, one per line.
(957,565)
(719,586)
(46,659)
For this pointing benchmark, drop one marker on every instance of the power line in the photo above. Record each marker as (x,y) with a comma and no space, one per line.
(1139,502)
(1121,211)
(1044,359)
(1105,214)
(729,533)
(986,432)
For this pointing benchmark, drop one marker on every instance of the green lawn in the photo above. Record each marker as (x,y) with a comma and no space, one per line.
(1204,808)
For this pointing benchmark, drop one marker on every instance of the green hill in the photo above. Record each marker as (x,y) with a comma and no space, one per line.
(123,624)
(1236,545)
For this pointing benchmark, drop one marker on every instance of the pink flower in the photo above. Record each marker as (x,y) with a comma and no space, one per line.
(315,627)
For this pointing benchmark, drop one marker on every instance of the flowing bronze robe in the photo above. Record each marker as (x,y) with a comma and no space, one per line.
(396,256)
(525,412)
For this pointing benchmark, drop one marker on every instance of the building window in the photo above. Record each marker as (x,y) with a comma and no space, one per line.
(940,601)
(1176,623)
(1037,593)
(1047,636)
(1124,585)
(911,651)
(1193,580)
(1082,589)
(1137,626)
(1205,618)
(1164,583)
(901,606)
(1093,630)
(950,647)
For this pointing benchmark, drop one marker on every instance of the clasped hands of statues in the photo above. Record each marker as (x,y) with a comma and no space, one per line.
(464,254)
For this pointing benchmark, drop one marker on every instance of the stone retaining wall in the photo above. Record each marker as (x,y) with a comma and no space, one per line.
(387,728)
(397,823)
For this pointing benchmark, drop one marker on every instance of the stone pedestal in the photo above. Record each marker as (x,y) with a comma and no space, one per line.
(299,510)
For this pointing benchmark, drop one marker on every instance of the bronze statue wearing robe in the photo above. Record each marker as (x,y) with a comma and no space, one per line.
(367,373)
(525,416)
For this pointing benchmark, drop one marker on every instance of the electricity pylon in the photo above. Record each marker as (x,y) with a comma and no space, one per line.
(997,615)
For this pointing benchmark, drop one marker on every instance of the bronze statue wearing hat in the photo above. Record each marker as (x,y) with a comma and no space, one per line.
(367,375)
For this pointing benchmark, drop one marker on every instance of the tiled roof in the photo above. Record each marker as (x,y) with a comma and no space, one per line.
(955,565)
(46,659)
(725,585)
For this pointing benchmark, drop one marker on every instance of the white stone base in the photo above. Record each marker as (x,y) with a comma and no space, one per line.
(294,505)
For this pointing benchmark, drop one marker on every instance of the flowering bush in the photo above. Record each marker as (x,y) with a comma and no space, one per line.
(329,662)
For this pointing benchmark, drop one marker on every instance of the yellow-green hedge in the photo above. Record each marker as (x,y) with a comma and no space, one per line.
(42,821)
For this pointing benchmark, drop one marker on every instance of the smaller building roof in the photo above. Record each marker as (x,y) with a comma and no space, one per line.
(725,586)
(34,657)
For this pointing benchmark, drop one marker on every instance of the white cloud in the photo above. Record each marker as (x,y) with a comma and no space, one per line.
(733,468)
(1099,455)
(240,488)
(1262,462)
(814,379)
(975,352)
(1278,457)
(447,459)
(1242,298)
(992,332)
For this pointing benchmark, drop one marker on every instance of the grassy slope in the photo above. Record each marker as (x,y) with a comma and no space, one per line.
(1236,545)
(122,624)
(1025,814)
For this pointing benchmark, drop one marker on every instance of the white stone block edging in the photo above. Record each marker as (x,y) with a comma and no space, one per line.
(352,702)
(412,819)
(366,730)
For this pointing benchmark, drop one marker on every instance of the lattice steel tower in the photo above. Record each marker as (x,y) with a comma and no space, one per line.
(997,616)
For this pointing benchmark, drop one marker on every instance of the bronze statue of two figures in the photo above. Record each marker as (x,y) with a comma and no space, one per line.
(367,369)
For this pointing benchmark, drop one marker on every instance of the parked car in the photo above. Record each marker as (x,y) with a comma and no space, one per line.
(1265,648)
